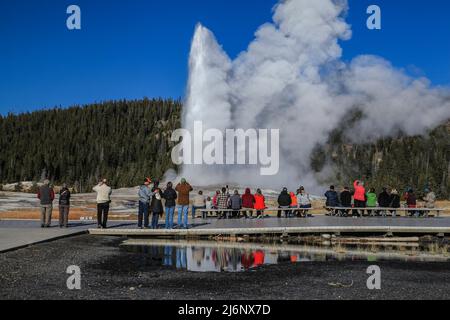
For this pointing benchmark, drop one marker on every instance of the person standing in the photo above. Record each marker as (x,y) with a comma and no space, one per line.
(222,203)
(359,197)
(170,196)
(156,207)
(64,206)
(284,202)
(183,190)
(145,194)
(46,195)
(199,203)
(103,201)
(260,204)
(248,203)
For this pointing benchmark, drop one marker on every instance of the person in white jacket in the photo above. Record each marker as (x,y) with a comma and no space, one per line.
(304,201)
(103,200)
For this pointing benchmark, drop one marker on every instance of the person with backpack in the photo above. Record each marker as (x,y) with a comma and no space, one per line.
(170,196)
(64,206)
(156,207)
(46,195)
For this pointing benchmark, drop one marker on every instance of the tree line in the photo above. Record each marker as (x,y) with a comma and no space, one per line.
(127,140)
(122,140)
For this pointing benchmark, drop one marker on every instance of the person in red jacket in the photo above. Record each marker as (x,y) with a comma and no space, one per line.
(248,202)
(260,204)
(359,197)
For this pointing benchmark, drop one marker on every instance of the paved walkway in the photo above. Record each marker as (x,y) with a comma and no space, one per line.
(16,234)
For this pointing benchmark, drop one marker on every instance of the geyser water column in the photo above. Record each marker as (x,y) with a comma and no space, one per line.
(207,99)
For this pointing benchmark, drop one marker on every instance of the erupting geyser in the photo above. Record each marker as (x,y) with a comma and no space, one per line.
(292,78)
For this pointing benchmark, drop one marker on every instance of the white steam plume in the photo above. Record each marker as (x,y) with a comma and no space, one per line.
(292,78)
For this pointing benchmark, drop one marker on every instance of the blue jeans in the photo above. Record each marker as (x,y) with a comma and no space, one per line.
(194,208)
(183,212)
(170,211)
(155,220)
(181,258)
(143,214)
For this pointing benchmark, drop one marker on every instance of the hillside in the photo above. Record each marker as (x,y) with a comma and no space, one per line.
(127,140)
(122,140)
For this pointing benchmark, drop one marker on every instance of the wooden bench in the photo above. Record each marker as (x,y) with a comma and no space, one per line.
(217,211)
(386,210)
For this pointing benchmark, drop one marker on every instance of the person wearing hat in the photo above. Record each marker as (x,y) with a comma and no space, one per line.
(183,190)
(145,194)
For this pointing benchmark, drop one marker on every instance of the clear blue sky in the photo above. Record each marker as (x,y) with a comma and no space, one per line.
(137,48)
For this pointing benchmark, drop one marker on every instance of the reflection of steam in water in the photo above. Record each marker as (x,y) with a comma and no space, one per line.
(205,256)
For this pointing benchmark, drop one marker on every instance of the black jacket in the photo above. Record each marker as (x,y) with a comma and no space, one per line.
(156,205)
(284,200)
(394,201)
(384,199)
(346,199)
(170,195)
(64,197)
(332,198)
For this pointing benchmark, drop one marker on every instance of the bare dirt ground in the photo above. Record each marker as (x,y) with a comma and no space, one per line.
(39,272)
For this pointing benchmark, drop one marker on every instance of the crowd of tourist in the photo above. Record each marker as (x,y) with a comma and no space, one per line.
(156,202)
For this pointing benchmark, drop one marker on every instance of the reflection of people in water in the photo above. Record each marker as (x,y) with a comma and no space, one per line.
(247,259)
(198,255)
(167,261)
(181,258)
(258,258)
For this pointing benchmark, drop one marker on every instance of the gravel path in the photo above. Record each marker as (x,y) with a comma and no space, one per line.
(38,272)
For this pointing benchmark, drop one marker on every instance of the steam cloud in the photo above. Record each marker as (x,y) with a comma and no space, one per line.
(292,78)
